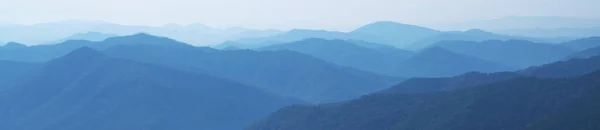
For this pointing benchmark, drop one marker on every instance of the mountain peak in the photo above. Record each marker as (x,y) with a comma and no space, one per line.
(477,31)
(81,55)
(14,45)
(390,25)
(85,51)
(143,38)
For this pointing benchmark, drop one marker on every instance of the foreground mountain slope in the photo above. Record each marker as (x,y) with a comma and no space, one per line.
(282,72)
(87,90)
(348,53)
(515,53)
(582,114)
(11,72)
(507,105)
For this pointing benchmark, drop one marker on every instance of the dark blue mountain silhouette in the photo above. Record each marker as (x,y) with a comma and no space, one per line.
(513,104)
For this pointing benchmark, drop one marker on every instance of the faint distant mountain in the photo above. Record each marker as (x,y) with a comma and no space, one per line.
(388,33)
(296,35)
(514,53)
(230,44)
(87,90)
(525,22)
(249,33)
(565,33)
(514,104)
(39,53)
(348,53)
(89,36)
(583,44)
(12,72)
(196,34)
(392,33)
(42,53)
(471,35)
(13,45)
(439,62)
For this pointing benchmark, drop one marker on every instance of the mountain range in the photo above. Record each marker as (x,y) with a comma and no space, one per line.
(514,53)
(497,101)
(381,76)
(281,72)
(196,34)
(390,61)
(88,90)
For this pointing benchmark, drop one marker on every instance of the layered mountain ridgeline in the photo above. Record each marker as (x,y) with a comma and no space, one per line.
(87,36)
(196,34)
(429,85)
(586,53)
(583,44)
(470,35)
(433,62)
(43,53)
(514,53)
(389,33)
(588,47)
(568,68)
(87,90)
(347,53)
(439,62)
(282,72)
(507,105)
(507,101)
(561,69)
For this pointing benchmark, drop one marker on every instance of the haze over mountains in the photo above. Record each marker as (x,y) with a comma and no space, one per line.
(380,76)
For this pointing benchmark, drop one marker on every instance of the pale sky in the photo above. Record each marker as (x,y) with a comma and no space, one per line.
(285,14)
